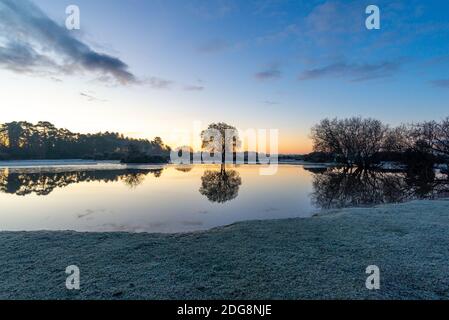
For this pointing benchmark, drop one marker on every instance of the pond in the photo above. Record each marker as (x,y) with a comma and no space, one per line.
(108,197)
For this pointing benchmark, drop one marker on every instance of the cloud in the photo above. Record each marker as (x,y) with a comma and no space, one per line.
(440,83)
(193,88)
(353,72)
(159,83)
(269,73)
(30,42)
(271,102)
(91,97)
(333,17)
(327,25)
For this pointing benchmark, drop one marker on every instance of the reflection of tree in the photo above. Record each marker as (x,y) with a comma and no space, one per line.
(156,172)
(133,180)
(315,169)
(354,187)
(44,182)
(220,186)
(184,169)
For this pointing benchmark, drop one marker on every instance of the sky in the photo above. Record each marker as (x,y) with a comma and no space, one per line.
(150,68)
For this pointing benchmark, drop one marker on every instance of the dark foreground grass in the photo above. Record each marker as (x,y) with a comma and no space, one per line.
(324,257)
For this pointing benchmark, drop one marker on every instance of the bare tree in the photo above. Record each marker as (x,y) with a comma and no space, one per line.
(353,141)
(433,136)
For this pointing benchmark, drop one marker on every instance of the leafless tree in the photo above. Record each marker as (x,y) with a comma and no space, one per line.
(354,141)
(434,136)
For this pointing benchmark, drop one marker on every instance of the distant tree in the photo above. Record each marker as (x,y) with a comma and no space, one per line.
(134,149)
(222,138)
(184,150)
(319,157)
(353,141)
(158,141)
(434,137)
(23,140)
(420,145)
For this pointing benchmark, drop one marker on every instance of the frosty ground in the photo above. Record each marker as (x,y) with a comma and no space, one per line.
(324,257)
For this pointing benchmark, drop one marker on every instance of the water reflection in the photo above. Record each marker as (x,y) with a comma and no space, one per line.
(42,183)
(197,197)
(338,188)
(220,186)
(330,187)
(184,168)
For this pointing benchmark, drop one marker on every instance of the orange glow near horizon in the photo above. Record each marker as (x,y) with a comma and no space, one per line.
(288,144)
(294,144)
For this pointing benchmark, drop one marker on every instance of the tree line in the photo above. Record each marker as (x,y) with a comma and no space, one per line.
(24,140)
(365,143)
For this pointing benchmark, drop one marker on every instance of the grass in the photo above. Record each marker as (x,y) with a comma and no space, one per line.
(323,257)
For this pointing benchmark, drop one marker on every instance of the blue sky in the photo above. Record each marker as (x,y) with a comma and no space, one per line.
(149,67)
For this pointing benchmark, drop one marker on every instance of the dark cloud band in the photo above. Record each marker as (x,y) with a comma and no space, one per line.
(33,43)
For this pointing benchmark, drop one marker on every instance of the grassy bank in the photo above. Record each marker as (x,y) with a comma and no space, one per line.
(324,257)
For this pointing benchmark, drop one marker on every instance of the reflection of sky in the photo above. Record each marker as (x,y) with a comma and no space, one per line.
(169,203)
(255,64)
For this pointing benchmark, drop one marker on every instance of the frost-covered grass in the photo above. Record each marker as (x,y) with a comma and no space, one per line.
(322,257)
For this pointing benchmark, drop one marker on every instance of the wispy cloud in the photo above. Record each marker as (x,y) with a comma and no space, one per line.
(353,72)
(31,42)
(193,88)
(270,72)
(271,102)
(333,17)
(90,97)
(440,83)
(159,83)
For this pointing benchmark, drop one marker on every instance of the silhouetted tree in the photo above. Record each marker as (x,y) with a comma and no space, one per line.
(354,141)
(434,137)
(23,140)
(220,138)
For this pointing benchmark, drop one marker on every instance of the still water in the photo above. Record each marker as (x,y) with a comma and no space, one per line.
(146,198)
(112,197)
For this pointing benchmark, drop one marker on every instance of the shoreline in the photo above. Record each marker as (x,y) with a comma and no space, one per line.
(323,257)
